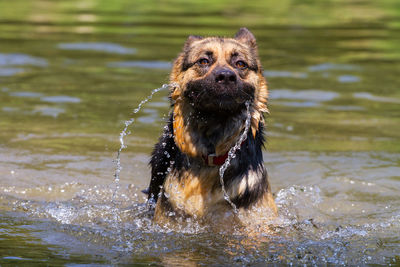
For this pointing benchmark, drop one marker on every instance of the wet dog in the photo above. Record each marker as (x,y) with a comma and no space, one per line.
(213,80)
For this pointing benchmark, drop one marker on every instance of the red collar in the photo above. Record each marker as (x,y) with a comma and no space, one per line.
(214,160)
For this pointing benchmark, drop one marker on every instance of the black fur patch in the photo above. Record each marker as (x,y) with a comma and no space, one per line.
(167,157)
(208,96)
(250,158)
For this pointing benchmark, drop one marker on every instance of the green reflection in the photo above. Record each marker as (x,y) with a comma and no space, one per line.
(357,39)
(20,246)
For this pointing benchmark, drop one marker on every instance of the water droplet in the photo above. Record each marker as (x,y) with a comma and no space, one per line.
(125,132)
(170,214)
(232,154)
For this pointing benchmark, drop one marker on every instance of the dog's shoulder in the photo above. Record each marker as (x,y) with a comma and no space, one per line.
(165,156)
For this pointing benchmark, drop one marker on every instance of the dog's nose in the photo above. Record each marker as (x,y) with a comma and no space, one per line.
(225,76)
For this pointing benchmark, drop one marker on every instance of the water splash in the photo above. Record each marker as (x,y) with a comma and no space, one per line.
(125,132)
(232,155)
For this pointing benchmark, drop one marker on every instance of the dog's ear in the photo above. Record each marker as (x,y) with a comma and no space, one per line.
(191,39)
(245,36)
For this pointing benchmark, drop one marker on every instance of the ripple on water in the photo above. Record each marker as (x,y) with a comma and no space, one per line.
(332,66)
(369,96)
(98,47)
(60,99)
(345,108)
(51,99)
(126,228)
(310,98)
(348,79)
(26,94)
(49,111)
(141,64)
(150,117)
(10,71)
(306,231)
(21,59)
(307,95)
(10,109)
(305,104)
(284,74)
(156,104)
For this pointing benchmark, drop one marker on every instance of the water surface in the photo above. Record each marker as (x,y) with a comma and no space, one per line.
(72,72)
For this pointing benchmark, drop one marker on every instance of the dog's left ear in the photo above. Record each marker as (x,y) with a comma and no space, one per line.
(245,36)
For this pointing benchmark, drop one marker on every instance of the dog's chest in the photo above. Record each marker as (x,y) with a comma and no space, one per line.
(196,193)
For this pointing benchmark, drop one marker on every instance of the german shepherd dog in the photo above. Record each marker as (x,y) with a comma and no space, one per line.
(212,79)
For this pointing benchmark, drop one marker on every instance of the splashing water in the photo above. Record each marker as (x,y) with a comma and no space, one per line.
(232,155)
(124,133)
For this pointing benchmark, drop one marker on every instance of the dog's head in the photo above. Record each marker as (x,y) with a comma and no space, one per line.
(218,75)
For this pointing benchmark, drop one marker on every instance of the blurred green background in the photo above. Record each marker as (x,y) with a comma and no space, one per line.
(72,71)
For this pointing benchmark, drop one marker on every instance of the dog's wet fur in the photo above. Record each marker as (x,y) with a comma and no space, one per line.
(214,78)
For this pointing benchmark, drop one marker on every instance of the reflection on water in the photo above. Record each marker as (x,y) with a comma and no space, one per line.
(48,111)
(101,47)
(21,59)
(142,64)
(10,71)
(348,79)
(332,66)
(369,96)
(311,95)
(72,71)
(8,61)
(288,74)
(25,94)
(60,99)
(311,98)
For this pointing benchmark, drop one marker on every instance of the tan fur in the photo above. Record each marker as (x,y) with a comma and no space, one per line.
(194,196)
(183,139)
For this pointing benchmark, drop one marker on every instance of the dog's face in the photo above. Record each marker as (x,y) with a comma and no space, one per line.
(218,75)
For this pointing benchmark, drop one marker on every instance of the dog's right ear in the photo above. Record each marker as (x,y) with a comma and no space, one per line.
(191,39)
(245,36)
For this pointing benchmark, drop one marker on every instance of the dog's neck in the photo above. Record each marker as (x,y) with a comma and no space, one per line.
(219,132)
(199,133)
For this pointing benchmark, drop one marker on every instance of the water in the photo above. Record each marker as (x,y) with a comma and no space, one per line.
(124,133)
(232,155)
(71,71)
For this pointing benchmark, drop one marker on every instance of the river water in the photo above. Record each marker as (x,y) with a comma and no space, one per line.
(72,72)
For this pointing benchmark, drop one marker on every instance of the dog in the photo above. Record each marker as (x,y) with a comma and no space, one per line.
(213,78)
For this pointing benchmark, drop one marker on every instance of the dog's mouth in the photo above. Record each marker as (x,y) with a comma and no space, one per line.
(219,92)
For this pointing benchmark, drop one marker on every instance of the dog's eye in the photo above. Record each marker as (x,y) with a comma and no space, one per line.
(241,64)
(204,62)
